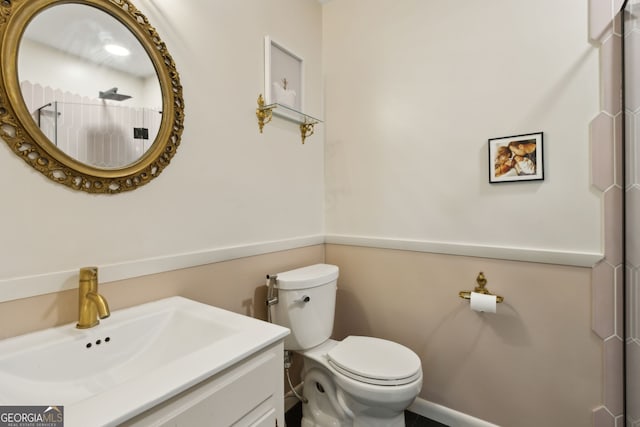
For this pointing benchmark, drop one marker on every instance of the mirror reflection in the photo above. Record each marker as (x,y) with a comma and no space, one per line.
(89,85)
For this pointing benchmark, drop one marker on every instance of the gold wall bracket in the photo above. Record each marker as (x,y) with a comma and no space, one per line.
(480,289)
(306,129)
(264,113)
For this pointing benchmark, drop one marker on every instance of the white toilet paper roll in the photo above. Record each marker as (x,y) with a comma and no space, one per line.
(482,302)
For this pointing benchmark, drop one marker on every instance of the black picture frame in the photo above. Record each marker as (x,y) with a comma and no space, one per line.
(516,158)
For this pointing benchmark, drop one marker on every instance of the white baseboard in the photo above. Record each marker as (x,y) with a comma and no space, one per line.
(422,407)
(445,415)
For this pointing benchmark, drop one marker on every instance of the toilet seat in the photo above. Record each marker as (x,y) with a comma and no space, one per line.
(375,361)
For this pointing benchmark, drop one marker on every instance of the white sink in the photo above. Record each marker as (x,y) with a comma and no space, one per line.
(133,360)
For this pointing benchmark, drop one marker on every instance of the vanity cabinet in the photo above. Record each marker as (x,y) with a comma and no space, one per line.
(248,393)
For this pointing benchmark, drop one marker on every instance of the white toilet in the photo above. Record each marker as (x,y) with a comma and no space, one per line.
(359,381)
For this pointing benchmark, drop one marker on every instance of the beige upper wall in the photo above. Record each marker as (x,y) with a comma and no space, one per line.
(413,91)
(227,186)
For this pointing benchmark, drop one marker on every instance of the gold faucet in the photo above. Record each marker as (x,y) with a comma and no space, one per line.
(91,304)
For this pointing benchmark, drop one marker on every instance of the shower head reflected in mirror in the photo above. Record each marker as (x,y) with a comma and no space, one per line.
(112,94)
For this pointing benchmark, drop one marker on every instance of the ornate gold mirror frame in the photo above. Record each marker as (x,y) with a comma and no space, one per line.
(22,134)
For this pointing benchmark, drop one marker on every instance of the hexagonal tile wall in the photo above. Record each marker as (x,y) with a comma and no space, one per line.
(606,176)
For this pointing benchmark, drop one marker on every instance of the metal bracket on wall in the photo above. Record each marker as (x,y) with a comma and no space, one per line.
(264,114)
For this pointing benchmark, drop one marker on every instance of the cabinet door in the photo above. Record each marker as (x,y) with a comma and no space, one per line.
(267,420)
(248,394)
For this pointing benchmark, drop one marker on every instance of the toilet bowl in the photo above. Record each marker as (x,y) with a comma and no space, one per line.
(368,394)
(359,381)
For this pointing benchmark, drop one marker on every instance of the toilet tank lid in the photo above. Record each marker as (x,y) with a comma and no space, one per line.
(307,277)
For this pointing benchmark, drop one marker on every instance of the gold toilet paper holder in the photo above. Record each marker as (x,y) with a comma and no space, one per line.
(480,289)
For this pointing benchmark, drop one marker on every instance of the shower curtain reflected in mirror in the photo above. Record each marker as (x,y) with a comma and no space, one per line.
(99,134)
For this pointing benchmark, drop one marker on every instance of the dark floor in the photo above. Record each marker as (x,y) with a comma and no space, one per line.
(294,415)
(415,420)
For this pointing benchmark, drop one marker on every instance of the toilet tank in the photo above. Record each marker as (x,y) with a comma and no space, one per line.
(306,304)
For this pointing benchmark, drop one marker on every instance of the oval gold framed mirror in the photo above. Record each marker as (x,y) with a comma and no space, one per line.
(89,94)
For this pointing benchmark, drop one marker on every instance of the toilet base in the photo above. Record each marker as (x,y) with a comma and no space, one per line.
(331,407)
(360,422)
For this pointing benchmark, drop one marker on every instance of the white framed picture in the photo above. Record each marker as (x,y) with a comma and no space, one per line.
(283,77)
